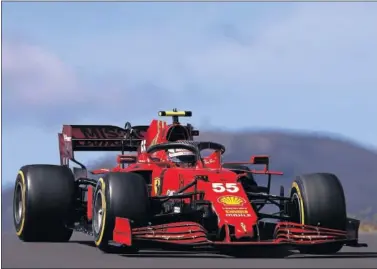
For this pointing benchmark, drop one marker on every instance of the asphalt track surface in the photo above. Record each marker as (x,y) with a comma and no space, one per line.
(80,253)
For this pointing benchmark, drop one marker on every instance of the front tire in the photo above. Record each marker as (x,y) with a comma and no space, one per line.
(319,199)
(118,194)
(43,203)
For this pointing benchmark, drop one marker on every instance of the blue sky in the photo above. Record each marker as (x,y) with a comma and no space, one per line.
(301,66)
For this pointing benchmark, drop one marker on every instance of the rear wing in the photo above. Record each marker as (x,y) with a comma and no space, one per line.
(98,138)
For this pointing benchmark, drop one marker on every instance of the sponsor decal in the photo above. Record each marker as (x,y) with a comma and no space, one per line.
(67,138)
(209,161)
(157,186)
(231,200)
(236,212)
(104,132)
(227,211)
(238,215)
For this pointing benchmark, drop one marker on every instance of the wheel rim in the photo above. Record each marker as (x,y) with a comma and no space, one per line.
(98,212)
(18,203)
(296,216)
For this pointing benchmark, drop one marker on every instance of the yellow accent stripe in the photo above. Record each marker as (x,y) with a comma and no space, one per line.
(302,213)
(23,189)
(103,198)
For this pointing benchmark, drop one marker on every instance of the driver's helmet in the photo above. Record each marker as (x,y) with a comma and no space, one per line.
(181,157)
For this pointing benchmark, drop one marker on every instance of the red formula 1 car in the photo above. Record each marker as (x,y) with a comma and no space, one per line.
(170,194)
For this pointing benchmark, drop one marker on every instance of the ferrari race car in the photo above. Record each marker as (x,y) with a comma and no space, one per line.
(169,194)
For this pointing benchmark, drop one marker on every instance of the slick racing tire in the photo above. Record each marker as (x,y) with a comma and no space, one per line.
(318,199)
(43,203)
(118,194)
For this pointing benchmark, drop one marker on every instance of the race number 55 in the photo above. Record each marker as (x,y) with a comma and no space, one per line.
(227,187)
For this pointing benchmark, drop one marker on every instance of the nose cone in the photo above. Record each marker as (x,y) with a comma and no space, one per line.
(232,206)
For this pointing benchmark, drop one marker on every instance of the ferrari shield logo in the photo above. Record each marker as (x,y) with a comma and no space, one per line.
(157,186)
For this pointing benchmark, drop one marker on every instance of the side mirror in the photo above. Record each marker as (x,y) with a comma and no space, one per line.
(260,159)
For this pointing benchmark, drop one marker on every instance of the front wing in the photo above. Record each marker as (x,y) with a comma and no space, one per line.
(192,234)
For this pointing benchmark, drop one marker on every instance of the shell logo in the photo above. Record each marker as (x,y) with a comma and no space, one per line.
(231,200)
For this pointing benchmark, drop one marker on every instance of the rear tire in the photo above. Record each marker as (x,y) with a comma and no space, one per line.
(128,198)
(319,200)
(43,203)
